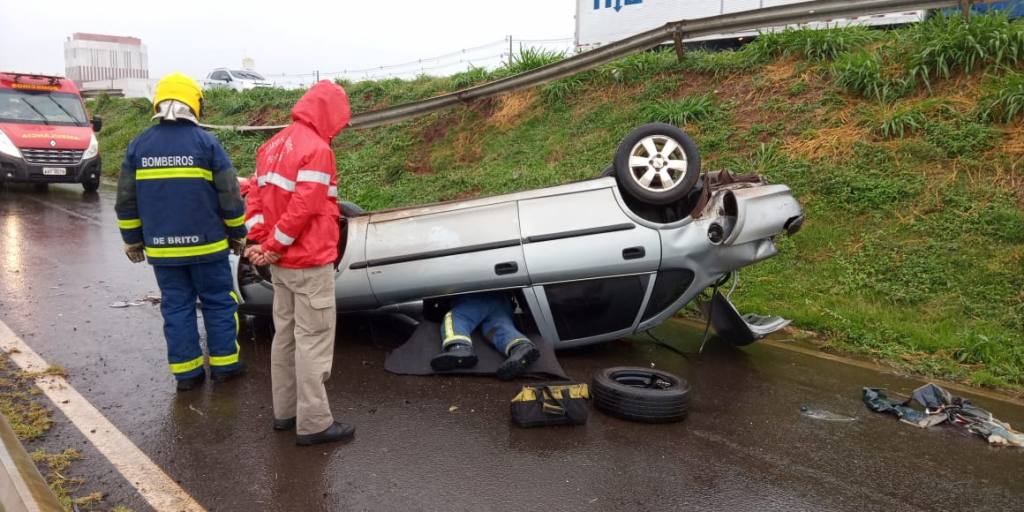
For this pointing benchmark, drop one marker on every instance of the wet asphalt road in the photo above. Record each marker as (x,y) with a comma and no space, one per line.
(745,445)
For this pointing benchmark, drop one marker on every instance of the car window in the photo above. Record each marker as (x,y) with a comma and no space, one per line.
(246,75)
(219,75)
(582,309)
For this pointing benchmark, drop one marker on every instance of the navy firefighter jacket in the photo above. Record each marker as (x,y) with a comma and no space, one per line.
(178,193)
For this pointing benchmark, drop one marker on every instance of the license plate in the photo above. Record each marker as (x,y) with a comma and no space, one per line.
(55,171)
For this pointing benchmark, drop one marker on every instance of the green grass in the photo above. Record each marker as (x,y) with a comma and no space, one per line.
(945,45)
(914,241)
(1004,98)
(811,44)
(682,111)
(863,72)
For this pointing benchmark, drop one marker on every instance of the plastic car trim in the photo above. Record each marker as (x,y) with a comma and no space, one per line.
(580,232)
(440,253)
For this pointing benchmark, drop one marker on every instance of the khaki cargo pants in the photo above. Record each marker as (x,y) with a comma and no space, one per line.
(303,348)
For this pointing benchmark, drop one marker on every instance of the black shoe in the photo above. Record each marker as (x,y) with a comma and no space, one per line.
(225,376)
(336,432)
(191,383)
(285,424)
(522,356)
(456,356)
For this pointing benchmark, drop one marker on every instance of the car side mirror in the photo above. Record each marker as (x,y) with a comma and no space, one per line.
(97,123)
(227,78)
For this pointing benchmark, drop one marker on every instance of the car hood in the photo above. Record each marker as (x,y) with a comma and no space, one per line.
(41,136)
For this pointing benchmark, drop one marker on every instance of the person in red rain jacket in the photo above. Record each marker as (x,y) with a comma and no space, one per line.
(292,216)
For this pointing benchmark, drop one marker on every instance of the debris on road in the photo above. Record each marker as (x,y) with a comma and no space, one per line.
(823,415)
(148,299)
(940,406)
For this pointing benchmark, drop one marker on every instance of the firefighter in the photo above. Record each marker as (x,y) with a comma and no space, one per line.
(492,313)
(293,218)
(178,205)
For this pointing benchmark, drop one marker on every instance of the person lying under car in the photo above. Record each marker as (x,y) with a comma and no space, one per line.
(492,313)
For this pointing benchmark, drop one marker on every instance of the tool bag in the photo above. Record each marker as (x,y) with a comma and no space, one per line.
(555,404)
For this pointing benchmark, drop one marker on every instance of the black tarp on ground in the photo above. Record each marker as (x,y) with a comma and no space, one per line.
(413,357)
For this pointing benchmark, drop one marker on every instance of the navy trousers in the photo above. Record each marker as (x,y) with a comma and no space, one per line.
(211,283)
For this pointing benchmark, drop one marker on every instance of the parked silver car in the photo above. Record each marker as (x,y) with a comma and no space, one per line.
(589,262)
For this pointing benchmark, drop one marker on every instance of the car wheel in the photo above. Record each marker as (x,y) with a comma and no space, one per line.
(91,185)
(657,163)
(641,394)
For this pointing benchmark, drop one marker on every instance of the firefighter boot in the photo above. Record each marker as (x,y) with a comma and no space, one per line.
(520,357)
(190,383)
(454,357)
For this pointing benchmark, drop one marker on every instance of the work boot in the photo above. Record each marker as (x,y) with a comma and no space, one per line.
(285,424)
(336,432)
(454,356)
(226,375)
(519,359)
(190,383)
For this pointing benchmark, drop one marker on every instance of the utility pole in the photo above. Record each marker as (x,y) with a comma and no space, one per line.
(510,49)
(317,75)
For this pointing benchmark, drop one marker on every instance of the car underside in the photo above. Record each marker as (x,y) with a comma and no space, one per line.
(588,262)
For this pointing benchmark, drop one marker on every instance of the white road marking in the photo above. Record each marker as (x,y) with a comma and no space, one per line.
(158,489)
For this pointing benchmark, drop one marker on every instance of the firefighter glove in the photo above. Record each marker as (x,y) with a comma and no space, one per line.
(135,252)
(237,245)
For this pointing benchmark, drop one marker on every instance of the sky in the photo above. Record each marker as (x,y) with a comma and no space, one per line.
(282,37)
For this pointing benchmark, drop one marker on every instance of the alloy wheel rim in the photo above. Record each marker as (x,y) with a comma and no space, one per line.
(657,163)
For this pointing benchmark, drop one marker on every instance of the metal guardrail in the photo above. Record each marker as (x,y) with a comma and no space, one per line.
(815,10)
(22,487)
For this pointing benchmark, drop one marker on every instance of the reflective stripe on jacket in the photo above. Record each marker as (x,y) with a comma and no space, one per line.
(178,193)
(293,210)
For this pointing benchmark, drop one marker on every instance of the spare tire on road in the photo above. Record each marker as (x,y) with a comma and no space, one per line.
(641,394)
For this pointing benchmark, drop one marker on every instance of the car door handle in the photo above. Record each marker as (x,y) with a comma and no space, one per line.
(509,267)
(633,253)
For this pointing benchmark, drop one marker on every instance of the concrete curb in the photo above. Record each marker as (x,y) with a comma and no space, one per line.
(22,487)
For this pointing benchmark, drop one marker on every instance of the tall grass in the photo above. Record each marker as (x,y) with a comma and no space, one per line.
(469,78)
(813,44)
(640,67)
(557,92)
(727,61)
(944,45)
(862,72)
(1003,99)
(528,59)
(689,109)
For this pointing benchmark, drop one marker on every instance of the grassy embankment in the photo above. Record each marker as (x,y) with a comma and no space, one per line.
(905,148)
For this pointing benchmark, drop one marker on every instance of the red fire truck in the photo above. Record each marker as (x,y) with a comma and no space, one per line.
(45,134)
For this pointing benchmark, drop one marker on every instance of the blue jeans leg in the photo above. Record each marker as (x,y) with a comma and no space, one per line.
(178,307)
(220,313)
(498,326)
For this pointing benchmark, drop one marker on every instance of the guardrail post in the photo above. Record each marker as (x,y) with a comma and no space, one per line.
(965,8)
(677,42)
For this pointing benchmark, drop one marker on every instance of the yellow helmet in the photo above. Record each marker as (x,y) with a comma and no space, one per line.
(181,87)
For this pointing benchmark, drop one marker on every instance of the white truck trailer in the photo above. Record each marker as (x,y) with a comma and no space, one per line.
(601,22)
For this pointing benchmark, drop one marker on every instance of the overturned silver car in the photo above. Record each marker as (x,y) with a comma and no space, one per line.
(589,262)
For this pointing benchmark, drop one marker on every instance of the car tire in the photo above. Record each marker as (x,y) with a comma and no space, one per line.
(657,163)
(641,394)
(91,185)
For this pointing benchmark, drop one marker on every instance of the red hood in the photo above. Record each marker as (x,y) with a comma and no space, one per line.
(325,108)
(47,136)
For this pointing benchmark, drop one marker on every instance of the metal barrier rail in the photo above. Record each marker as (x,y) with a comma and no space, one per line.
(22,487)
(815,10)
